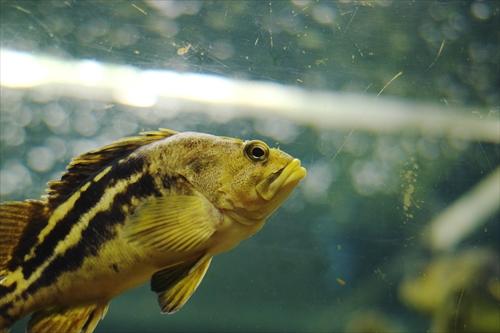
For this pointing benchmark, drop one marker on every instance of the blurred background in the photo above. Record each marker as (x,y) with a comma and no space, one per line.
(351,250)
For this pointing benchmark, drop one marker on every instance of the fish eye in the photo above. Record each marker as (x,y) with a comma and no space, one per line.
(256,150)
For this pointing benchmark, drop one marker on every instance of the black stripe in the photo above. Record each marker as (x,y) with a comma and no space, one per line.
(4,290)
(84,203)
(36,223)
(8,319)
(99,230)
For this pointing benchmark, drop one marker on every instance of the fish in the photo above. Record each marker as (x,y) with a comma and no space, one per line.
(157,206)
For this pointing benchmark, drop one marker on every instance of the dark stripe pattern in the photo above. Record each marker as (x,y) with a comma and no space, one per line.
(84,203)
(38,221)
(4,290)
(100,229)
(7,319)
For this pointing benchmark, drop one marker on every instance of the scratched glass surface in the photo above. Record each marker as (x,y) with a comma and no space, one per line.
(348,251)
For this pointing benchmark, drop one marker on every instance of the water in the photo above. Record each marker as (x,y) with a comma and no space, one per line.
(349,252)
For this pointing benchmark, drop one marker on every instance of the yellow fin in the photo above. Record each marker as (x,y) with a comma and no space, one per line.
(88,164)
(15,217)
(82,319)
(175,285)
(173,222)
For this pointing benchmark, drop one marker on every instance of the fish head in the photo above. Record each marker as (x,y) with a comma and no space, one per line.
(260,181)
(246,180)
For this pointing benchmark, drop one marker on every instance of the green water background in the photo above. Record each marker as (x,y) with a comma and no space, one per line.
(339,249)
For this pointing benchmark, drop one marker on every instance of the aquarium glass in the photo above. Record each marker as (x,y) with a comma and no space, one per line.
(350,251)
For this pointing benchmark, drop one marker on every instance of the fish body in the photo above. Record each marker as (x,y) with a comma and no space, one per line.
(157,206)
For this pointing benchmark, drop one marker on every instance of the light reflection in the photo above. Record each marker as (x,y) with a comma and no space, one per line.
(481,10)
(40,159)
(20,70)
(14,178)
(317,183)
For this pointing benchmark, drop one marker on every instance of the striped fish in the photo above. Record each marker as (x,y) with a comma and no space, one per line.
(157,206)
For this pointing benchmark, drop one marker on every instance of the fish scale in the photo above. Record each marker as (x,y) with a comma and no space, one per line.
(70,251)
(156,206)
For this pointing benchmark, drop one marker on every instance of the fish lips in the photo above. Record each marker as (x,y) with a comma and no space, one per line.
(281,182)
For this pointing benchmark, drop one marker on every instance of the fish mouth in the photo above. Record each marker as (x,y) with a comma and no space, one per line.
(282,181)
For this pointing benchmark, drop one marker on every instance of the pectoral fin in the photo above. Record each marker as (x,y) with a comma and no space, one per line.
(176,223)
(175,285)
(82,319)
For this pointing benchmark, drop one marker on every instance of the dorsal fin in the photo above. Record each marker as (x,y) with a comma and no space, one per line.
(82,167)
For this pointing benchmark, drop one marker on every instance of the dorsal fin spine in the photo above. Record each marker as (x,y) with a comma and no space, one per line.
(88,164)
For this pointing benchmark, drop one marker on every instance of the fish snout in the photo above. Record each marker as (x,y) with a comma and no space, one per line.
(281,181)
